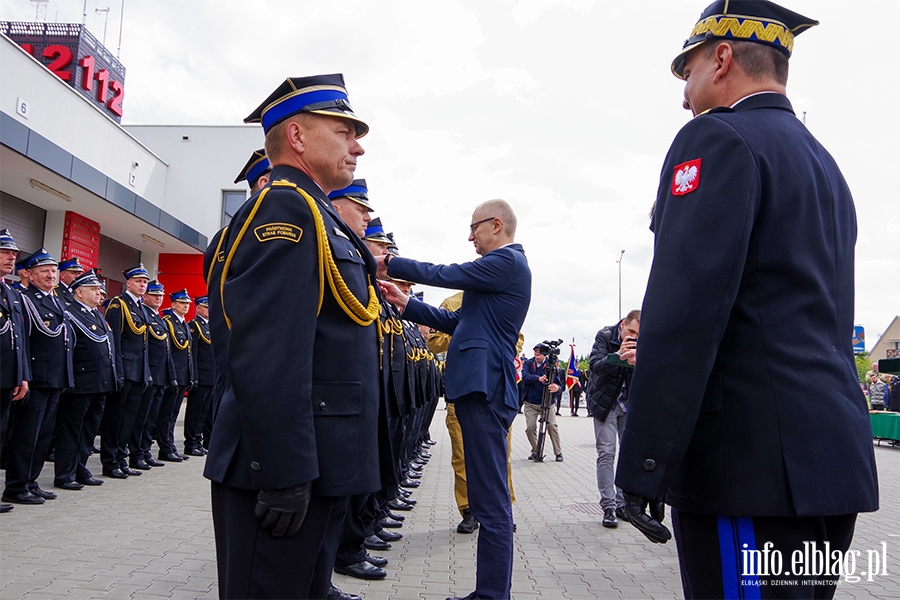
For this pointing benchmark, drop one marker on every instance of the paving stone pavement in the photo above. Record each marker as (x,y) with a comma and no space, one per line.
(152,537)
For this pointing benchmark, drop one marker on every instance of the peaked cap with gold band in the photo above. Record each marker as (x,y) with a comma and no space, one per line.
(319,94)
(356,191)
(759,21)
(256,167)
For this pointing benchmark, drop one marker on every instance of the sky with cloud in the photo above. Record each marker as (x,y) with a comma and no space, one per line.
(565,108)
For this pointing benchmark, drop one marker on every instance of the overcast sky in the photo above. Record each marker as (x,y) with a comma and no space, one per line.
(565,108)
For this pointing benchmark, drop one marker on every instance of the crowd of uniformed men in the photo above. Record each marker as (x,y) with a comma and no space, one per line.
(76,365)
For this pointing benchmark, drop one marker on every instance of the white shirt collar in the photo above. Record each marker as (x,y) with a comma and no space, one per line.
(753,94)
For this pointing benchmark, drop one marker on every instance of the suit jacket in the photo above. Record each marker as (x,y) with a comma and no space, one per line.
(159,354)
(51,340)
(301,397)
(202,352)
(128,323)
(481,356)
(15,356)
(181,351)
(750,298)
(93,357)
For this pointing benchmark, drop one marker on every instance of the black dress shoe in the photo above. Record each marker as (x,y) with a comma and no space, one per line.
(391,515)
(622,515)
(141,464)
(390,523)
(336,594)
(129,471)
(424,455)
(407,499)
(184,456)
(471,596)
(153,462)
(373,542)
(171,457)
(194,452)
(609,518)
(361,570)
(42,493)
(399,505)
(414,474)
(409,483)
(69,485)
(115,474)
(91,481)
(468,524)
(25,497)
(95,450)
(415,467)
(5,508)
(376,561)
(388,536)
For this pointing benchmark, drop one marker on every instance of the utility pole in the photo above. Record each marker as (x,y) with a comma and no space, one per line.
(105,21)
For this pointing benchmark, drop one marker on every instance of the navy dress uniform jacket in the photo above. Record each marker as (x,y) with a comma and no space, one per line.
(750,298)
(128,321)
(159,355)
(15,357)
(94,354)
(301,397)
(51,340)
(482,352)
(202,352)
(181,351)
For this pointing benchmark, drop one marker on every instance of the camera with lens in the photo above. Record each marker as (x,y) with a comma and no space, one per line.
(552,349)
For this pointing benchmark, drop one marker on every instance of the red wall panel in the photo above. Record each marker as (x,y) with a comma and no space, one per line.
(182,271)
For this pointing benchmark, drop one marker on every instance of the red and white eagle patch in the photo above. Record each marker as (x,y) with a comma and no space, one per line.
(687,178)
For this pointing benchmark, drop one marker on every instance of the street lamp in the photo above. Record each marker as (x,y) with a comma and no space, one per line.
(620,282)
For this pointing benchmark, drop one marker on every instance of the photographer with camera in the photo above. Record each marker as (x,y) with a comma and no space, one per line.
(612,364)
(534,381)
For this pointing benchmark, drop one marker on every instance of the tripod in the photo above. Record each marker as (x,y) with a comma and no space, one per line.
(546,403)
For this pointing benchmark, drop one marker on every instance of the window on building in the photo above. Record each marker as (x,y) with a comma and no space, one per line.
(231,202)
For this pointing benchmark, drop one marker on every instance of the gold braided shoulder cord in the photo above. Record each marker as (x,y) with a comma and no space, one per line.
(134,328)
(212,263)
(353,308)
(175,337)
(153,333)
(200,333)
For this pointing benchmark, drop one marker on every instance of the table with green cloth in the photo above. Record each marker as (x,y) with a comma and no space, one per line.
(885,425)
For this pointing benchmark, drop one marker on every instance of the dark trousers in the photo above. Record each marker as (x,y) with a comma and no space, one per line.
(31,430)
(717,559)
(484,428)
(354,532)
(142,433)
(118,420)
(195,414)
(77,424)
(253,564)
(141,447)
(168,414)
(5,406)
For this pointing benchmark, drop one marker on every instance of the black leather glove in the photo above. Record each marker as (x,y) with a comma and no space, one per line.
(283,511)
(650,525)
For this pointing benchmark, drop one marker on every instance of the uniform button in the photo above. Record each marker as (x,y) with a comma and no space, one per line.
(255,466)
(649,464)
(321,406)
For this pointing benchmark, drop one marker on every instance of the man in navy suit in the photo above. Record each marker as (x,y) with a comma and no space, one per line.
(750,294)
(481,374)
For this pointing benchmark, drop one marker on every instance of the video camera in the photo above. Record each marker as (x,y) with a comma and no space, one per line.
(552,349)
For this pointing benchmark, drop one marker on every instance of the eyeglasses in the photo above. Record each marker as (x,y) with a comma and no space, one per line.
(475,225)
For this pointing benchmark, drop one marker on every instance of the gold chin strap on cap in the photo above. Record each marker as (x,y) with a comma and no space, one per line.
(353,308)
